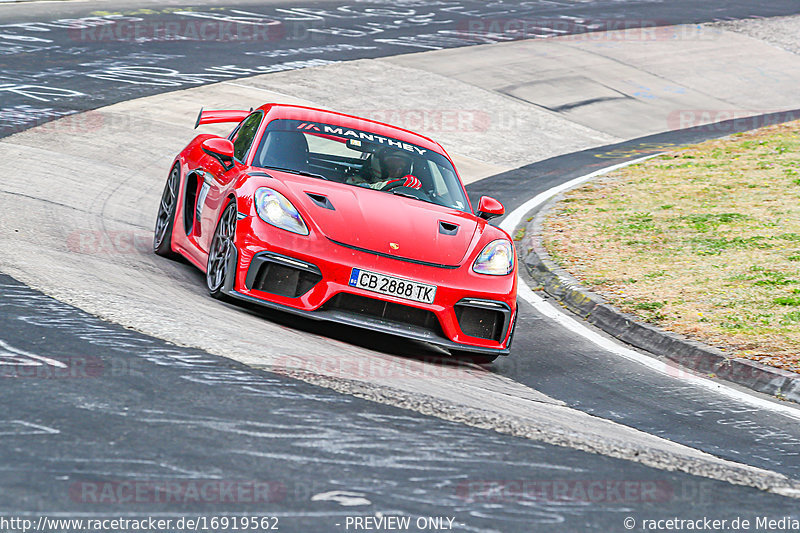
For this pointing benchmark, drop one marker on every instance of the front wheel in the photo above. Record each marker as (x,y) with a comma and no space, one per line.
(222,254)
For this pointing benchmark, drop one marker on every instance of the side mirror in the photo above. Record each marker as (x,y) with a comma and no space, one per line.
(220,149)
(488,208)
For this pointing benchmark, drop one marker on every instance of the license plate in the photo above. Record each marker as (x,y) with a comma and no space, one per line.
(399,287)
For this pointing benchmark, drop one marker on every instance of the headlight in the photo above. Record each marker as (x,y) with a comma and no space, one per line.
(497,258)
(273,208)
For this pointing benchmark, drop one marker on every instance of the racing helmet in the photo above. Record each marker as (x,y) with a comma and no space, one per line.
(390,163)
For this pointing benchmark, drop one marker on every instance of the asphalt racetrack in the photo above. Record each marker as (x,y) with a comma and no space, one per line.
(199,420)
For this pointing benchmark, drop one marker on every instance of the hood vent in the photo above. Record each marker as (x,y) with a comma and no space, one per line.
(447,228)
(321,200)
(259,174)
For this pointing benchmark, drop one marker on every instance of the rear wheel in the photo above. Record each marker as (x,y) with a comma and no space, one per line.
(222,254)
(165,221)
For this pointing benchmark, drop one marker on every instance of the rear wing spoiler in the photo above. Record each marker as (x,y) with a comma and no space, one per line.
(215,117)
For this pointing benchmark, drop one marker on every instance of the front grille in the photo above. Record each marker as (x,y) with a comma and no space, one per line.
(269,273)
(480,322)
(394,312)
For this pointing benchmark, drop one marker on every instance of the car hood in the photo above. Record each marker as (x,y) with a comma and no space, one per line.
(386,223)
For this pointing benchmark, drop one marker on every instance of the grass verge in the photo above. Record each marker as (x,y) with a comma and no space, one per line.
(704,242)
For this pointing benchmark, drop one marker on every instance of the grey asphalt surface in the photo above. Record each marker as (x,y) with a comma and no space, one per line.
(52,64)
(141,410)
(135,427)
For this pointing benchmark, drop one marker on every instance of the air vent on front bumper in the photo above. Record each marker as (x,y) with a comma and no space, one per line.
(390,311)
(484,319)
(280,275)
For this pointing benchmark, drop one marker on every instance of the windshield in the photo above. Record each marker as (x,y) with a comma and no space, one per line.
(360,159)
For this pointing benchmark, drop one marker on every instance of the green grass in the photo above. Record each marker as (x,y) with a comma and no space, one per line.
(704,241)
(788,300)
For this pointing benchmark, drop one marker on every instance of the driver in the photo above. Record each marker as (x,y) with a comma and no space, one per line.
(387,167)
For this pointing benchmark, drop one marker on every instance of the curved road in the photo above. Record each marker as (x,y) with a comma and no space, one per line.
(61,57)
(146,411)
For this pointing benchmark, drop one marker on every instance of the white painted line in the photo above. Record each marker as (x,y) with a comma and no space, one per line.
(343,498)
(567,321)
(29,429)
(15,357)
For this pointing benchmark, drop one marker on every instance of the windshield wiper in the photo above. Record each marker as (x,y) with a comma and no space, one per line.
(404,194)
(299,172)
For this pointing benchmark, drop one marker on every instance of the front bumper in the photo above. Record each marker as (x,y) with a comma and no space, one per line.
(309,277)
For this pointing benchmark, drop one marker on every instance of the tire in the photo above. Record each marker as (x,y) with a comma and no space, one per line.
(476,358)
(165,221)
(222,255)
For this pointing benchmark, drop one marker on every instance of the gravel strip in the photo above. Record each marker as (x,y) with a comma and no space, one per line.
(782,32)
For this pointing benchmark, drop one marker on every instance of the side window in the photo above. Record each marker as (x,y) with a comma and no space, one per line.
(439,185)
(245,134)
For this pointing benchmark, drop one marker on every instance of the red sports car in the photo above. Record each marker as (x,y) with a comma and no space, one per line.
(339,218)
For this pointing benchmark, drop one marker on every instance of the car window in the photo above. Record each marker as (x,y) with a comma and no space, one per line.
(360,158)
(244,135)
